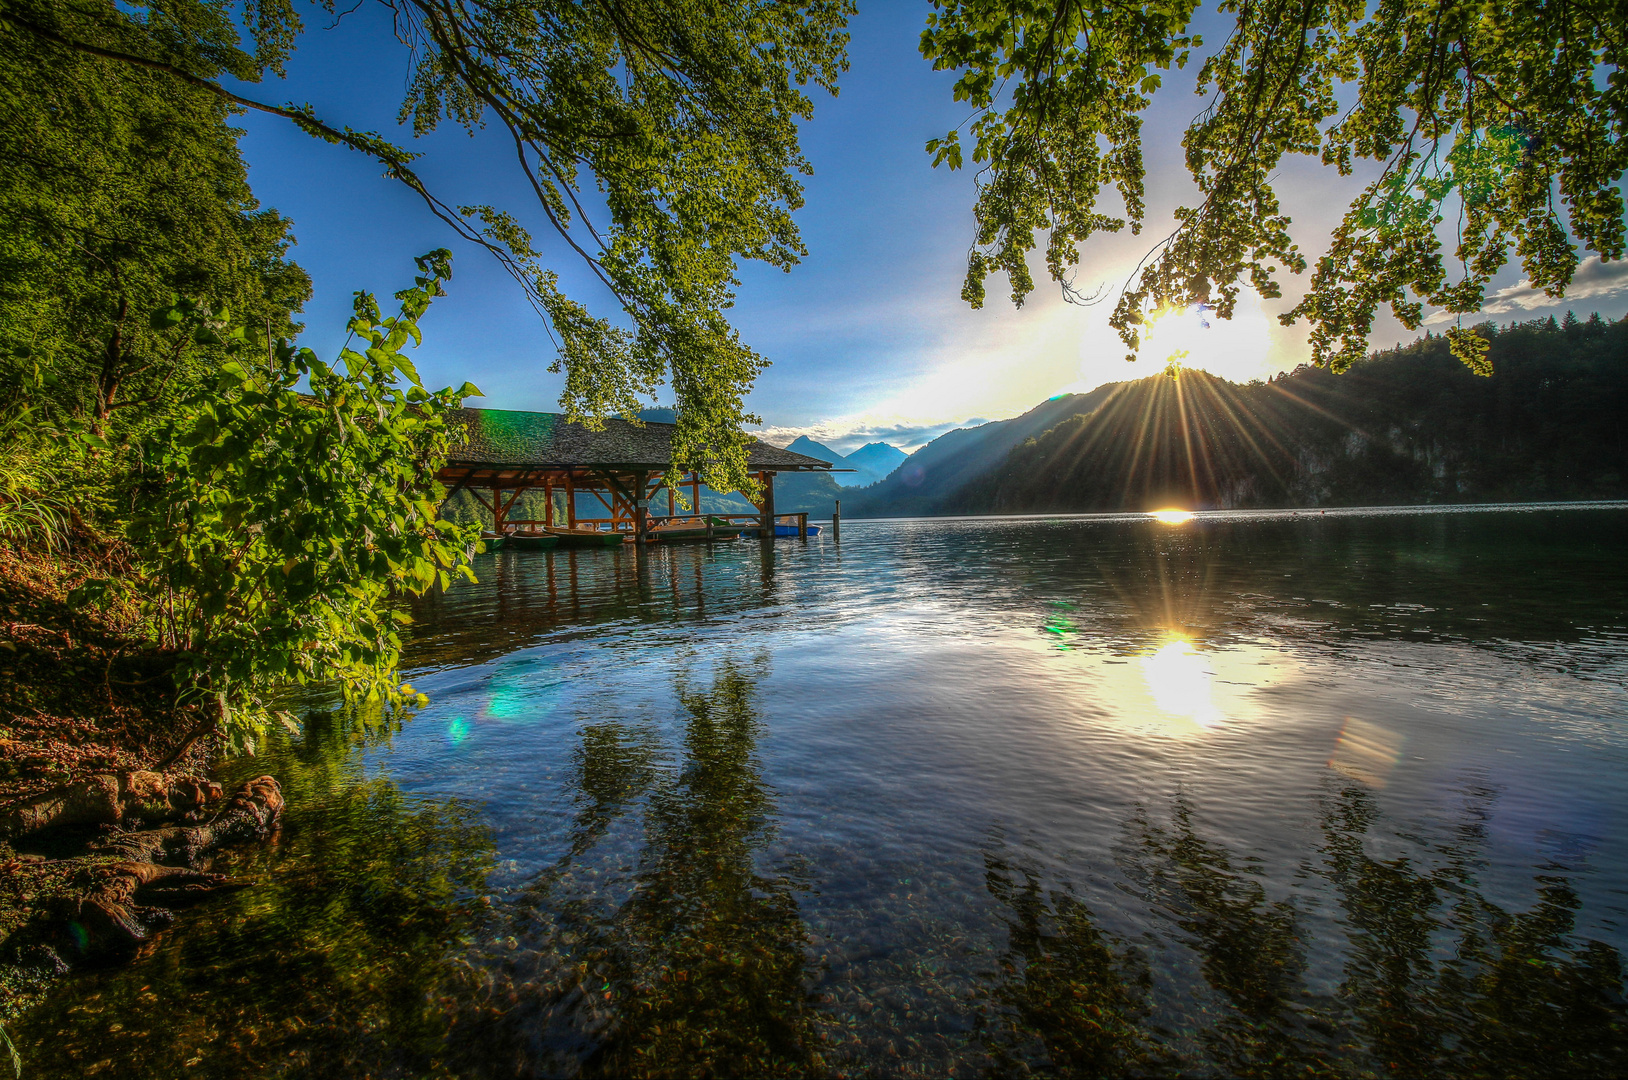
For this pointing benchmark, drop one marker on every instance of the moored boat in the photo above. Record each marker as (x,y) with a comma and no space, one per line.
(787,526)
(587,537)
(493,541)
(531,541)
(694,529)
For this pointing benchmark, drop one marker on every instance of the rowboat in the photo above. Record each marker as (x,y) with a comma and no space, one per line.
(694,529)
(531,541)
(492,540)
(787,526)
(587,538)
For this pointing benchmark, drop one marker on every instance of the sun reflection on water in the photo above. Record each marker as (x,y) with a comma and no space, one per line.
(1172,516)
(1180,682)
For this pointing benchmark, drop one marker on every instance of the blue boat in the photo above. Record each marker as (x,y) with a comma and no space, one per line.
(782,529)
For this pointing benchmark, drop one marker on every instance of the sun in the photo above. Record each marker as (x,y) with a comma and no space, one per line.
(1171,516)
(1195,337)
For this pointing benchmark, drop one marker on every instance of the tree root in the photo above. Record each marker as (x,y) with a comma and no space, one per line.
(110,799)
(132,879)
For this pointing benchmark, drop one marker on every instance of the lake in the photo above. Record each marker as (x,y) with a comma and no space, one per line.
(1252,794)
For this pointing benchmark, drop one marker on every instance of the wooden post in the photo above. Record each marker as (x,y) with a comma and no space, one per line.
(802,525)
(498,509)
(695,492)
(836,522)
(672,508)
(570,503)
(767,480)
(641,503)
(548,511)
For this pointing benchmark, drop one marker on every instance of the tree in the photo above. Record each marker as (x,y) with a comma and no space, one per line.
(1497,126)
(116,194)
(276,526)
(682,114)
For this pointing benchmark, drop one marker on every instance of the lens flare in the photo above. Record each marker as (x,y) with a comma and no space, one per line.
(1179,682)
(457,730)
(1366,752)
(1172,516)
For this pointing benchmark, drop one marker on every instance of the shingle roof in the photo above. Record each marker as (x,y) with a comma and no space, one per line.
(531,439)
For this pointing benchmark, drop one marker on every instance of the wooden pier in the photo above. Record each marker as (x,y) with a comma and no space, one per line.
(504,454)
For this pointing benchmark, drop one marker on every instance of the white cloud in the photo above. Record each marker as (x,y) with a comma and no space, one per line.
(845,435)
(1593,278)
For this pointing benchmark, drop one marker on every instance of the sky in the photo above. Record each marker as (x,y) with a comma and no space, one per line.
(868,337)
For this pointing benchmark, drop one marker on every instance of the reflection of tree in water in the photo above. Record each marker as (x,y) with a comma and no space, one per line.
(694,963)
(1249,947)
(1067,1000)
(320,969)
(1437,980)
(1516,994)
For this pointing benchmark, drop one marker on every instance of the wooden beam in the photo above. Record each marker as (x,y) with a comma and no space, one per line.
(767,480)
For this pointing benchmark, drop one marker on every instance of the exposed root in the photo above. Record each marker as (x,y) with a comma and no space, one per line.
(125,886)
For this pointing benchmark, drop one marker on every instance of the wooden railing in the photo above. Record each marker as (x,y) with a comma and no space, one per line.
(746,521)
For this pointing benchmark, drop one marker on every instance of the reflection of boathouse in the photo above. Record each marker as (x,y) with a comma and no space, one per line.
(504,454)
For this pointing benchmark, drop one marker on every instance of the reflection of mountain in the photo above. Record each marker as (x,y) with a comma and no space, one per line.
(1316,577)
(691,963)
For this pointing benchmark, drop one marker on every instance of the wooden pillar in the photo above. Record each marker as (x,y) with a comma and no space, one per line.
(641,505)
(836,522)
(767,506)
(695,492)
(570,504)
(672,506)
(548,511)
(802,525)
(498,509)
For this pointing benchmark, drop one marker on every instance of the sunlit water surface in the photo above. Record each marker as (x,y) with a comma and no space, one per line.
(1243,795)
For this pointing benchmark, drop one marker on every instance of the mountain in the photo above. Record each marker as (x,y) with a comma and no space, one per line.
(874,461)
(805,445)
(870,463)
(659,415)
(927,480)
(1410,425)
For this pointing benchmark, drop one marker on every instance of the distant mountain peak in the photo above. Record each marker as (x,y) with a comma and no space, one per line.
(807,446)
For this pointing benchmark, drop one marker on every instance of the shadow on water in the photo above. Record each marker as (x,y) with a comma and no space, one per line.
(681,954)
(1437,979)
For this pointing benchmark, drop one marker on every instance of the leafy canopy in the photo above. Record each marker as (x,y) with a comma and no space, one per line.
(278,524)
(659,138)
(117,193)
(1498,129)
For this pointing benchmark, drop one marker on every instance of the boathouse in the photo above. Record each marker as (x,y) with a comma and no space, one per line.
(503,453)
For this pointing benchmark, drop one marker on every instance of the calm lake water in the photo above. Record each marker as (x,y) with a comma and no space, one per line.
(1256,794)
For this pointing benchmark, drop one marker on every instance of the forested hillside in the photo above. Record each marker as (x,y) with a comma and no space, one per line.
(926,482)
(1409,425)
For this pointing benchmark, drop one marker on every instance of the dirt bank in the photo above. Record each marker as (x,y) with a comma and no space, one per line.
(102,835)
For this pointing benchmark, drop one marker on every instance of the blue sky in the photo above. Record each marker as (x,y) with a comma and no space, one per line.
(868,337)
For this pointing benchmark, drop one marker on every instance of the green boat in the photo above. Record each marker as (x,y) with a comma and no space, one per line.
(519,541)
(587,538)
(493,541)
